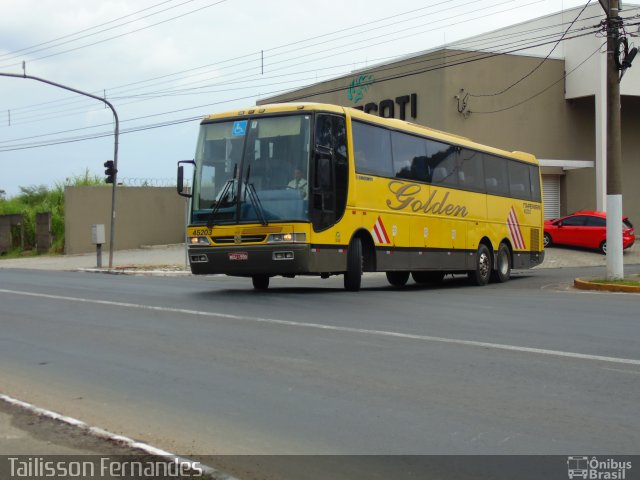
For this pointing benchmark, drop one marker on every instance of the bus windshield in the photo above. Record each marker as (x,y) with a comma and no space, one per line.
(252,171)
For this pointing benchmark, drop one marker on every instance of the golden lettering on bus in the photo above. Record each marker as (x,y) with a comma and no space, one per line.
(408,196)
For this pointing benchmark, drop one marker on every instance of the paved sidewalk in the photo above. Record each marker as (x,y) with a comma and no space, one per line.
(169,259)
(161,257)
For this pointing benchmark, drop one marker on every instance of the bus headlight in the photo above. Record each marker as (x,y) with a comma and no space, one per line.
(199,241)
(287,238)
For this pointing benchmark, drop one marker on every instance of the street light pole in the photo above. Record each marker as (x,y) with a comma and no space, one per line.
(115,146)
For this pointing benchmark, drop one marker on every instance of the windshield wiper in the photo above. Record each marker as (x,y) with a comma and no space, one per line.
(225,191)
(253,197)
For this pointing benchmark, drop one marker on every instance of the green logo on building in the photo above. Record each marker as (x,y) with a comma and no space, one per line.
(359,86)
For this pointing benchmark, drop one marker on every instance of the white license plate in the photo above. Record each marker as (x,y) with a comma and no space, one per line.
(239,256)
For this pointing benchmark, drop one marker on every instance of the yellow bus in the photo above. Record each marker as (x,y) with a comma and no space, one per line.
(315,189)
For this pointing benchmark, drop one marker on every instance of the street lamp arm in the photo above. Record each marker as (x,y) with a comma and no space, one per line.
(65,87)
(115,147)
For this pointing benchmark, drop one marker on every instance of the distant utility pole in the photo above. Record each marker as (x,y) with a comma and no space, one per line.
(115,147)
(615,265)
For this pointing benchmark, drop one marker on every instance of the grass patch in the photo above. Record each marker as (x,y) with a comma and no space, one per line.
(17,253)
(631,281)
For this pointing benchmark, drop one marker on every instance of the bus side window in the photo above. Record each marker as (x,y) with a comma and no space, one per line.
(409,157)
(372,148)
(534,176)
(442,159)
(470,171)
(495,170)
(519,183)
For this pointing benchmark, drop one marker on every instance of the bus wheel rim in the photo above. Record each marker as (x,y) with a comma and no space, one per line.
(483,264)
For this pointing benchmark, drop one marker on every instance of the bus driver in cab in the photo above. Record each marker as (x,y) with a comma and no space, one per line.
(299,182)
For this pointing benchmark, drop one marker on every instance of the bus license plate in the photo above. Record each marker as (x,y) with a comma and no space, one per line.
(239,256)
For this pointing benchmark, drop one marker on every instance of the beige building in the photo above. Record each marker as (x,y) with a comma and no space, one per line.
(515,101)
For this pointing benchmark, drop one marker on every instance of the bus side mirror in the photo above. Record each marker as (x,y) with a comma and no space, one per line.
(180,181)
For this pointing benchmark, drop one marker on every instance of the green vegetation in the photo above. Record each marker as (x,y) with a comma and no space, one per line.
(631,281)
(40,199)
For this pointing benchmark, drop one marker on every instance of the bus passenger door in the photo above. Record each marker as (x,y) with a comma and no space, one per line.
(322,192)
(328,195)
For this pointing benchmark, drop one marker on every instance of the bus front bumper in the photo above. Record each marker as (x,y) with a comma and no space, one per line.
(285,259)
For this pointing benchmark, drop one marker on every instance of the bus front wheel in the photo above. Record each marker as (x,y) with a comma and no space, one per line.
(482,273)
(353,275)
(260,282)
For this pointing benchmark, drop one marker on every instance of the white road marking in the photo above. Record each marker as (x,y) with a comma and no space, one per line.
(337,328)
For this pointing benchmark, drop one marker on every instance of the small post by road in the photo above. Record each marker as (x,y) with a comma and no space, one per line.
(97,238)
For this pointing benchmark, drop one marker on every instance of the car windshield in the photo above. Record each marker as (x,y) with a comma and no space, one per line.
(260,163)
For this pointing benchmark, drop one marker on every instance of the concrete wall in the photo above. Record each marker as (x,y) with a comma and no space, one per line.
(144,216)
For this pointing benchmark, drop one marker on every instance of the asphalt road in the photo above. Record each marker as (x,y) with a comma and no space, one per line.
(210,366)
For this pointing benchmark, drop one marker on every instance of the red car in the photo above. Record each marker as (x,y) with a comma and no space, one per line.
(587,229)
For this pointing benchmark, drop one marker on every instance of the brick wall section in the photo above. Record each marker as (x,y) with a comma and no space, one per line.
(44,237)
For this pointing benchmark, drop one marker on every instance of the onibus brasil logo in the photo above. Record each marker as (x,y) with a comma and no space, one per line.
(597,469)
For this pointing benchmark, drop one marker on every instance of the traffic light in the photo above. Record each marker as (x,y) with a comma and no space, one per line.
(110,171)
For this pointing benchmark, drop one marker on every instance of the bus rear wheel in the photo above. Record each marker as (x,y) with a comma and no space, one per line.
(353,275)
(398,279)
(260,282)
(502,273)
(427,276)
(482,273)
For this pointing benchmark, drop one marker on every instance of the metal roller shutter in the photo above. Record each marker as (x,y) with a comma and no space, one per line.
(551,196)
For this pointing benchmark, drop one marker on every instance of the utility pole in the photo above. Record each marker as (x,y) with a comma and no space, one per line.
(115,147)
(615,265)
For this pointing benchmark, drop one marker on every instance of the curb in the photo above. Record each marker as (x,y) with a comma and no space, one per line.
(115,438)
(136,271)
(585,284)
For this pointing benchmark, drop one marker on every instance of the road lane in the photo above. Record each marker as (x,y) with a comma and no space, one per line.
(198,383)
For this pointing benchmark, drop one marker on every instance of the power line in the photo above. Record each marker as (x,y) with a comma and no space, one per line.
(41,118)
(26,49)
(477,57)
(421,61)
(504,90)
(543,90)
(296,52)
(118,36)
(167,92)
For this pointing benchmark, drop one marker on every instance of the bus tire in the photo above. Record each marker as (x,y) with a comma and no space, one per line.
(428,276)
(398,279)
(260,282)
(482,273)
(502,273)
(353,275)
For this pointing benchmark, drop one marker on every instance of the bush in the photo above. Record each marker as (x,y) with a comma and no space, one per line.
(41,199)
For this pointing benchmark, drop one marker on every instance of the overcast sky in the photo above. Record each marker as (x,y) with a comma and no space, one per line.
(162,61)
